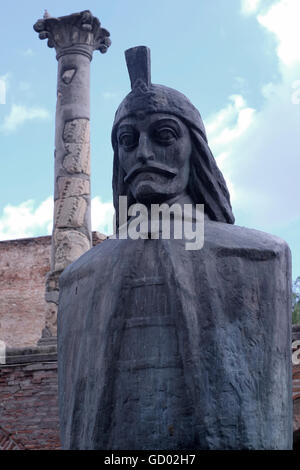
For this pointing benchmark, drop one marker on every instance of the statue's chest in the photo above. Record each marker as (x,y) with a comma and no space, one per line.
(149,337)
(149,331)
(149,387)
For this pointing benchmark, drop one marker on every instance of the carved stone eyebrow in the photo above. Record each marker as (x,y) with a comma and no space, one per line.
(167,121)
(126,127)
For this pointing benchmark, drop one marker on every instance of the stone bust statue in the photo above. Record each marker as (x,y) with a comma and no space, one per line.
(165,348)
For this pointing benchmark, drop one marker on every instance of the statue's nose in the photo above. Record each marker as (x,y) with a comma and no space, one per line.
(144,152)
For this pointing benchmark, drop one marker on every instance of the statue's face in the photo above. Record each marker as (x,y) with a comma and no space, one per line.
(154,152)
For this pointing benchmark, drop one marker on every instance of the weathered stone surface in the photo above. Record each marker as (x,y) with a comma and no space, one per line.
(78,158)
(51,296)
(98,238)
(69,245)
(52,280)
(29,355)
(76,138)
(68,75)
(69,212)
(68,186)
(77,131)
(226,346)
(51,318)
(79,29)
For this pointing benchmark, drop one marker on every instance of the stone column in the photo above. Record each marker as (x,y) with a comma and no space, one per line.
(74,38)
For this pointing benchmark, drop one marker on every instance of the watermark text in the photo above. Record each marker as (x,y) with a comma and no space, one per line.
(161,221)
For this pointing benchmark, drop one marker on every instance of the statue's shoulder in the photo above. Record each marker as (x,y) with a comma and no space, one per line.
(235,238)
(91,262)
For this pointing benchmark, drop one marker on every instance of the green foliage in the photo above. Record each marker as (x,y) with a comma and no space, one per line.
(296,301)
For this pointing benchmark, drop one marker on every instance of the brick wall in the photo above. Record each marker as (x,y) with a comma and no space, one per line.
(24,264)
(23,267)
(7,442)
(28,380)
(28,406)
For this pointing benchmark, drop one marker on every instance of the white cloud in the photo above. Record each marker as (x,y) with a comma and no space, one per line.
(20,114)
(29,220)
(249,7)
(282,19)
(258,153)
(229,123)
(26,220)
(102,216)
(224,129)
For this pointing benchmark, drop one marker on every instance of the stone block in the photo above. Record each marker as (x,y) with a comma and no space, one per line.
(77,131)
(70,212)
(68,186)
(52,296)
(69,246)
(76,138)
(77,159)
(51,318)
(98,238)
(52,280)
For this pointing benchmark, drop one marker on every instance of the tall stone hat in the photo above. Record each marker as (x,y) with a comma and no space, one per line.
(149,98)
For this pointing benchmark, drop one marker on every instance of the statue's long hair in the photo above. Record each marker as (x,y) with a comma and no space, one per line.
(206,183)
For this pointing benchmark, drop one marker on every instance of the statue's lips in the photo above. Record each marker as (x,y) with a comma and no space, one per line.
(153,168)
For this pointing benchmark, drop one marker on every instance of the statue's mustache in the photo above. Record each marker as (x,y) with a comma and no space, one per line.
(154,167)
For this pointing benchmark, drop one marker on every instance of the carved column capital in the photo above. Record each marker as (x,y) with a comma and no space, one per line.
(79,33)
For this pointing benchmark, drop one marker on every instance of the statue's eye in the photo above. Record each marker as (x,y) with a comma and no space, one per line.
(165,135)
(128,139)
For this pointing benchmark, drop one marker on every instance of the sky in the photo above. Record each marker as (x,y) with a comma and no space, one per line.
(238,61)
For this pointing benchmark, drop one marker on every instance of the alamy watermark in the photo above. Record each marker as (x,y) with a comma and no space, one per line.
(181,222)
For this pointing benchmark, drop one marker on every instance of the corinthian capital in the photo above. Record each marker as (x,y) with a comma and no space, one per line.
(76,33)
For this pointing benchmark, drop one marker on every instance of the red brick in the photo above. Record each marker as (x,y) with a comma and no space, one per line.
(30,416)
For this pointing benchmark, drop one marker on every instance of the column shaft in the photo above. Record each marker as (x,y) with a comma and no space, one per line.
(74,38)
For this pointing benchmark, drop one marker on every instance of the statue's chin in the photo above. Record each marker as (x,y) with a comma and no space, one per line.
(148,192)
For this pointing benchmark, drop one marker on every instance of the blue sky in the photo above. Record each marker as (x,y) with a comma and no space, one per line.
(237,60)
